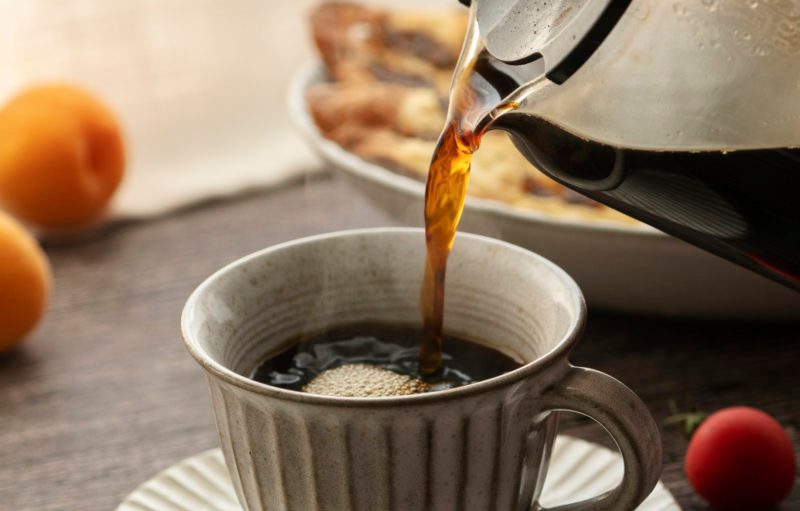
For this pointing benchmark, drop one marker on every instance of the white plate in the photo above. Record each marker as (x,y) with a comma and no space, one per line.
(632,268)
(578,470)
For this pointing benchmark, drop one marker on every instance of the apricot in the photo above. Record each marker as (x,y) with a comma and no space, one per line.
(24,282)
(61,156)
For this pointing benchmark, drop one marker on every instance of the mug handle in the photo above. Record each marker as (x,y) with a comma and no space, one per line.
(626,418)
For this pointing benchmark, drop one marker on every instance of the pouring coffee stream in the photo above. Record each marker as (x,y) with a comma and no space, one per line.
(474,105)
(698,138)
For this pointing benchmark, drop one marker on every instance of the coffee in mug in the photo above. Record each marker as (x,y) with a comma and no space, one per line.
(377,360)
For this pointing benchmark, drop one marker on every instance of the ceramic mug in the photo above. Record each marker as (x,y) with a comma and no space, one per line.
(481,447)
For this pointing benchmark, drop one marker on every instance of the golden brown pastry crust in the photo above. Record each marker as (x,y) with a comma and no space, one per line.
(364,44)
(411,111)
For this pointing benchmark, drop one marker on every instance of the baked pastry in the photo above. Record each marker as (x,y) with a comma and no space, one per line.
(364,44)
(387,101)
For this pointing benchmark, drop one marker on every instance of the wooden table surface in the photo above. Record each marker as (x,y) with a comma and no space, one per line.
(103,395)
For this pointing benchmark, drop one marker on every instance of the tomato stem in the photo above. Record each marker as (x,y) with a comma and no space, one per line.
(687,422)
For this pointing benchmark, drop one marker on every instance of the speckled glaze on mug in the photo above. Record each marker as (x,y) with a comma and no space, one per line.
(482,447)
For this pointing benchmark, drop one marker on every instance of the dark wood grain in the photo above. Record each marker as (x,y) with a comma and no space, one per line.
(103,395)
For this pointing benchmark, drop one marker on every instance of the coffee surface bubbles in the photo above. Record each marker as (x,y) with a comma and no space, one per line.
(376,360)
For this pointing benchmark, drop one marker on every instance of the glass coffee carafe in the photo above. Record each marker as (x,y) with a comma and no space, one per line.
(684,114)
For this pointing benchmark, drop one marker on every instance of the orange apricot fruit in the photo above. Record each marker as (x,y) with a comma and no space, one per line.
(24,282)
(61,156)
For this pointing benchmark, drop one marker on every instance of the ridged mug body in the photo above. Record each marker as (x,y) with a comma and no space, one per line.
(457,454)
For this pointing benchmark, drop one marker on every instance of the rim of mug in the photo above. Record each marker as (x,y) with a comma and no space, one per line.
(559,350)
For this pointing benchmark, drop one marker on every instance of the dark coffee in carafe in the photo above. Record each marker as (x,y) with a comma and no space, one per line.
(739,204)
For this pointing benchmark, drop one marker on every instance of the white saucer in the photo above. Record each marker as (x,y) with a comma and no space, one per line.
(578,470)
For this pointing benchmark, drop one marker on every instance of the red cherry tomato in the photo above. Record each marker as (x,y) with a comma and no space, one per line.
(741,459)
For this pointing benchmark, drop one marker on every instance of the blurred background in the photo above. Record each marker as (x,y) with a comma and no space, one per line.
(199,86)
